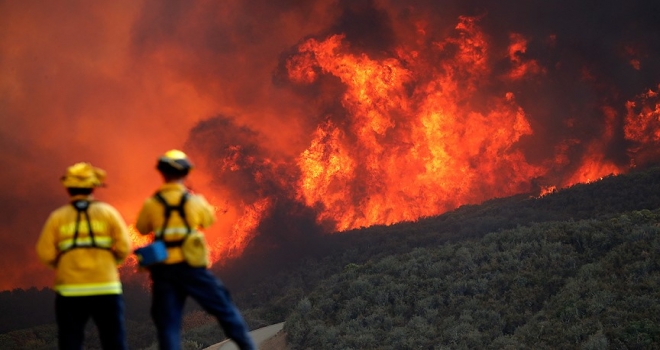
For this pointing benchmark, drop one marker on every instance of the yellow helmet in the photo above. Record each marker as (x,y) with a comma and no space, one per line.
(174,162)
(83,175)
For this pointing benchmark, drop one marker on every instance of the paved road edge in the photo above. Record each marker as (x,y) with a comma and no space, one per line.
(259,335)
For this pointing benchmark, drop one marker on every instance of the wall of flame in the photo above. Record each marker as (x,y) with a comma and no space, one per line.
(307,118)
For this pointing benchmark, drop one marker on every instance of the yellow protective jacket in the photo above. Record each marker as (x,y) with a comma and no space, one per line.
(199,214)
(85,270)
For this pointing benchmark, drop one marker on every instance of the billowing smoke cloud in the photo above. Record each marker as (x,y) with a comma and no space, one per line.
(257,188)
(307,117)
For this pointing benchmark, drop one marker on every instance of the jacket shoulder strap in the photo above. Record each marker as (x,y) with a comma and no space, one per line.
(168,209)
(81,207)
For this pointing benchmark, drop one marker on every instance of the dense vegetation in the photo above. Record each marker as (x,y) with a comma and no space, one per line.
(557,285)
(577,268)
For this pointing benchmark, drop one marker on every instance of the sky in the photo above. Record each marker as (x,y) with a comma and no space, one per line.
(308,117)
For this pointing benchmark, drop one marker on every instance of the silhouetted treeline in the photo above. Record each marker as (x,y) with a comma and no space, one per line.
(525,253)
(21,308)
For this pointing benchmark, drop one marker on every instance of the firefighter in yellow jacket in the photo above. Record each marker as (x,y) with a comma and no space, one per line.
(84,241)
(174,214)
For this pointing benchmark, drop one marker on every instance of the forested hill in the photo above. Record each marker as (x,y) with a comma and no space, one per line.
(579,269)
(589,284)
(497,274)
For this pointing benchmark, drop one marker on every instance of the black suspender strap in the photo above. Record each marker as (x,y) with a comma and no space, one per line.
(81,207)
(179,208)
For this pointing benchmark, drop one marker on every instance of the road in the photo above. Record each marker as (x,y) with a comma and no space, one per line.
(259,335)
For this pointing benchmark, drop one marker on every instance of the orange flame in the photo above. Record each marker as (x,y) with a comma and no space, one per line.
(521,68)
(420,137)
(408,154)
(643,119)
(244,229)
(547,191)
(404,158)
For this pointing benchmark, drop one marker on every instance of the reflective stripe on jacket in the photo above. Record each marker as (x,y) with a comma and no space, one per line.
(85,270)
(77,290)
(99,242)
(199,213)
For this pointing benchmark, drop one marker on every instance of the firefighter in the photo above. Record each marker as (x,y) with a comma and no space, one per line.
(174,214)
(85,241)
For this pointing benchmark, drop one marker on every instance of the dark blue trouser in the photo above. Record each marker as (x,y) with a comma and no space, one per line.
(107,311)
(172,284)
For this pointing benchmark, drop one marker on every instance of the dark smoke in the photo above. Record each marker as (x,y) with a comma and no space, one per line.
(236,158)
(367,27)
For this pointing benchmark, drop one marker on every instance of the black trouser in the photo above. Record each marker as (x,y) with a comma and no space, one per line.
(172,284)
(107,311)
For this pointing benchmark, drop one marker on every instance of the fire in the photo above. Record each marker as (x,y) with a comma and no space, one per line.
(405,155)
(245,228)
(419,137)
(643,119)
(547,191)
(642,127)
(521,68)
(416,135)
(322,116)
(312,117)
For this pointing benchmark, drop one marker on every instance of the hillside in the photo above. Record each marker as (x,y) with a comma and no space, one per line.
(514,258)
(559,285)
